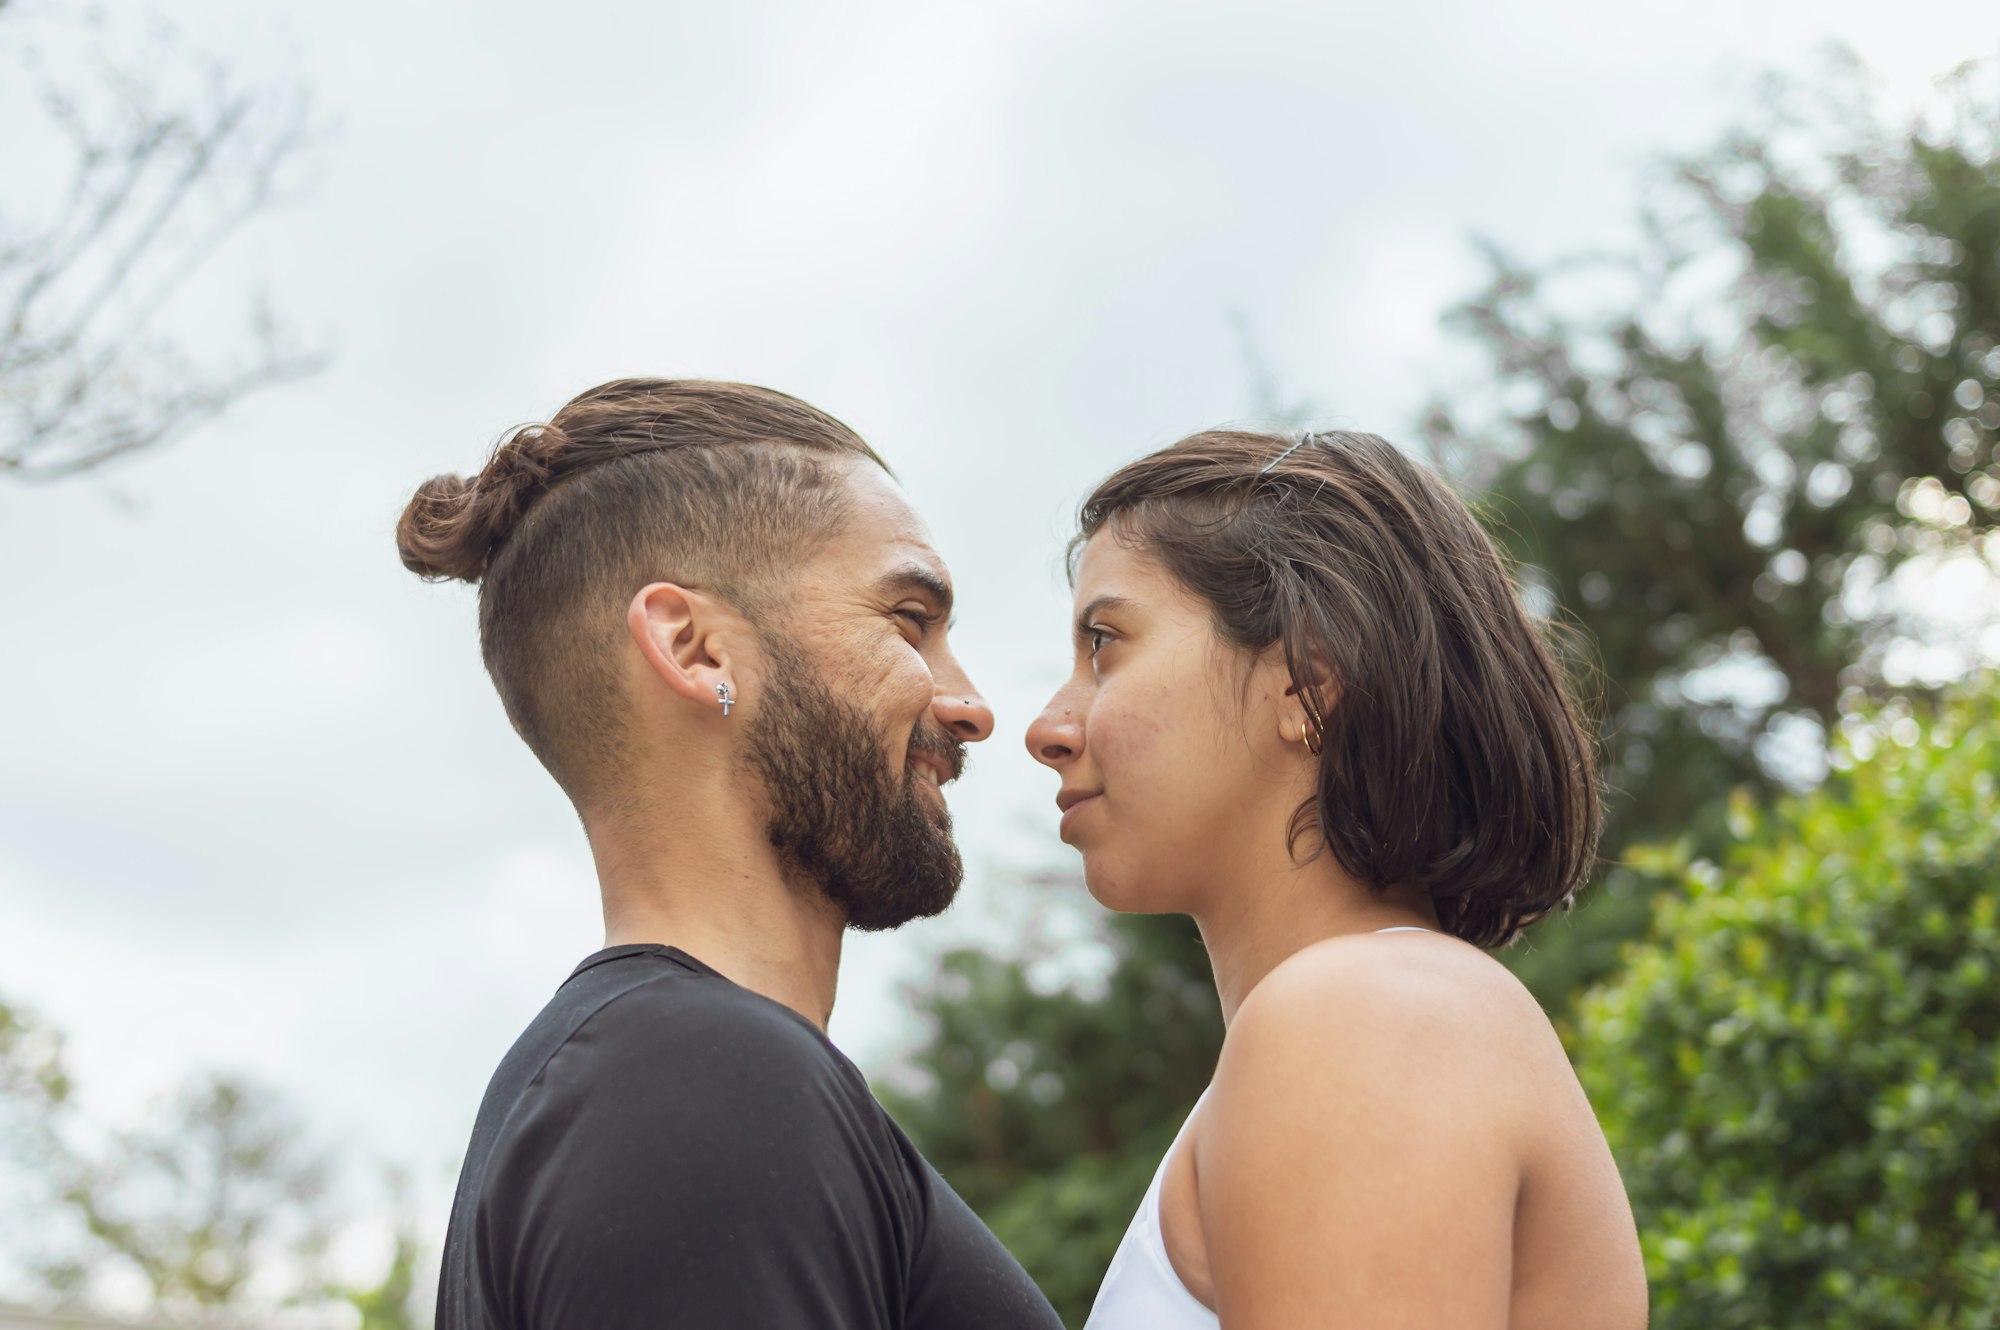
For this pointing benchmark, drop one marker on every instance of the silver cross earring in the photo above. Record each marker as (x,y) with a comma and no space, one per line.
(724,696)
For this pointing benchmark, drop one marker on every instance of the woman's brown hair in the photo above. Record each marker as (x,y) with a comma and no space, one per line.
(1454,756)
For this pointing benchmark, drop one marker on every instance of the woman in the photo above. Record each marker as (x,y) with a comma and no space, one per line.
(1309,711)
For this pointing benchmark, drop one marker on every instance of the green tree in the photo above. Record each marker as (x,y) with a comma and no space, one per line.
(34,1089)
(1799,1069)
(390,1302)
(216,1202)
(1795,393)
(33,1079)
(1048,1104)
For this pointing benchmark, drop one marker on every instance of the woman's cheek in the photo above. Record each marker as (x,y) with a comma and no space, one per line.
(1125,735)
(1132,739)
(1136,865)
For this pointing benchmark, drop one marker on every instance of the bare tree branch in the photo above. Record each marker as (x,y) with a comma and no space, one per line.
(161,180)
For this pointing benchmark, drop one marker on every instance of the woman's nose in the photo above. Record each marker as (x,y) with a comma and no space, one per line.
(1055,736)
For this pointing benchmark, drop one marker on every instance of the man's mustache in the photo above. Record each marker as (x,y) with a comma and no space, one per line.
(938,744)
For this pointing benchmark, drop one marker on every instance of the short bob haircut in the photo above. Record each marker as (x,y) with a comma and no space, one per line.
(1454,756)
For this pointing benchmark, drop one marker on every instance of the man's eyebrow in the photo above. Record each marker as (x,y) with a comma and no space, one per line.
(1093,609)
(915,577)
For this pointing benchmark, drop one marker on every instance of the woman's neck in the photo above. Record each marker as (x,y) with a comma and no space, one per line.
(1268,916)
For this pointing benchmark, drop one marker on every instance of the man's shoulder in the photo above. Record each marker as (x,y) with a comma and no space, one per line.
(649,1018)
(681,1149)
(651,1071)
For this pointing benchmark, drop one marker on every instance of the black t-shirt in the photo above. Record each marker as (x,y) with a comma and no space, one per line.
(662,1147)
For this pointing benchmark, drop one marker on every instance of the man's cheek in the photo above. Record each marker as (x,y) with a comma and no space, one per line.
(899,696)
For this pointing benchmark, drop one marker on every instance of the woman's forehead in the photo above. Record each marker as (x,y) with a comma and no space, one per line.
(1109,565)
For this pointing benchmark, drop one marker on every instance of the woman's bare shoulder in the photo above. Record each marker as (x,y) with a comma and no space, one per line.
(1425,977)
(1385,1007)
(1360,1144)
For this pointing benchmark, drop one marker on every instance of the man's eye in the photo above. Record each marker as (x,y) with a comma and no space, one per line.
(922,620)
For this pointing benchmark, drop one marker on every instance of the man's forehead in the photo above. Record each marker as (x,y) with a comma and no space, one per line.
(884,535)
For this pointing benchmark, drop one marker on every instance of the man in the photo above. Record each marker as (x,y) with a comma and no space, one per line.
(715,619)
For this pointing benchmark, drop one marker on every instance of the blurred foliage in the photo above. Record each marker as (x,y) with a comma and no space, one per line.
(1794,393)
(1712,455)
(33,1080)
(34,1088)
(1799,1070)
(1048,1104)
(215,1204)
(391,1302)
(209,1200)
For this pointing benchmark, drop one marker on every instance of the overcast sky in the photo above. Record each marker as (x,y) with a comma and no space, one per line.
(259,808)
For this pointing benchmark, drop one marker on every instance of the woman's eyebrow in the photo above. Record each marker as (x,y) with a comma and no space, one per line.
(1098,605)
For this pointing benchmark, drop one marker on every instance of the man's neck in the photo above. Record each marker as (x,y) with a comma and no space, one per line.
(721,897)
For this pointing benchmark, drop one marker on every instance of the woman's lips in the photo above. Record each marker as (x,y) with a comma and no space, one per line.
(1071,806)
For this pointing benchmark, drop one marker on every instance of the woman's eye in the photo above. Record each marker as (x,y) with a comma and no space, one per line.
(1098,638)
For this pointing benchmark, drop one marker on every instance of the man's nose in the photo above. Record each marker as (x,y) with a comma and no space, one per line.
(963,712)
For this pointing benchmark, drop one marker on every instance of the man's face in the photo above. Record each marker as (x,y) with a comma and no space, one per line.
(864,713)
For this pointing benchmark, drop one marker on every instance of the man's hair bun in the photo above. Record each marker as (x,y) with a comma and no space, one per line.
(453,526)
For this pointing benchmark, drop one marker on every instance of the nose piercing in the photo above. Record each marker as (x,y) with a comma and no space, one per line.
(724,696)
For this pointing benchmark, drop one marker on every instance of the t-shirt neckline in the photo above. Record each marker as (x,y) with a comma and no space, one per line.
(624,949)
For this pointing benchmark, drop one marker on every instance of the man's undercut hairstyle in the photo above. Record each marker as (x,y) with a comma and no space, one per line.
(1454,757)
(722,487)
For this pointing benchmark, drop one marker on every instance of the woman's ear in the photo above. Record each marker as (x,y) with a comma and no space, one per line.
(687,640)
(1302,727)
(1303,704)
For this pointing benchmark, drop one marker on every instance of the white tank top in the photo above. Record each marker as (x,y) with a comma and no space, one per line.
(1141,1291)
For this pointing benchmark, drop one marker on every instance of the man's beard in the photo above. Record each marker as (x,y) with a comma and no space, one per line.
(840,819)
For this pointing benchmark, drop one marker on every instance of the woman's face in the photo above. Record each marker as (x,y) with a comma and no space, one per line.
(1170,743)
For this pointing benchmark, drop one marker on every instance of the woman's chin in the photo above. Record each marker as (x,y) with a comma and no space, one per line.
(1116,890)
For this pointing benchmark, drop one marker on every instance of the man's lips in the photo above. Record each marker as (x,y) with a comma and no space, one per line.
(941,770)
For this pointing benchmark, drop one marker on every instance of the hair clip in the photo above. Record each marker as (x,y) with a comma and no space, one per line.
(1303,440)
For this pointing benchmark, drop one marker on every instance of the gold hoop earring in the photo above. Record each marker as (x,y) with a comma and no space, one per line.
(1308,731)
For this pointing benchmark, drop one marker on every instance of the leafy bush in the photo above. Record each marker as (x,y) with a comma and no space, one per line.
(1797,1069)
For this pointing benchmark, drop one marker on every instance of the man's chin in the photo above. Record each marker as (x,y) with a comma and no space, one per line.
(928,887)
(882,917)
(930,802)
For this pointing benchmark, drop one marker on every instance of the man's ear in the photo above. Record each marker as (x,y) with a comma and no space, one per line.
(687,640)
